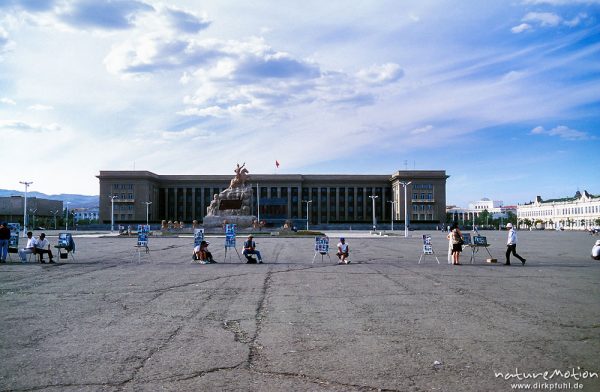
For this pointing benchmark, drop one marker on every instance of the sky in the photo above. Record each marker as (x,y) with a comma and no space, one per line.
(502,95)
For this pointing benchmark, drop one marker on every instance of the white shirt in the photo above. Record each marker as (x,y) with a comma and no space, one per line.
(343,247)
(596,251)
(42,244)
(512,237)
(31,243)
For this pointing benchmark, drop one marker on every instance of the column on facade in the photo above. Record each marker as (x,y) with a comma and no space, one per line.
(166,211)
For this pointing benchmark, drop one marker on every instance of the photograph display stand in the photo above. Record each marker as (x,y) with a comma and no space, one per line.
(142,242)
(427,249)
(230,240)
(479,241)
(322,248)
(13,242)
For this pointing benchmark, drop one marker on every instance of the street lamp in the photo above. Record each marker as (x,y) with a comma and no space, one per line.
(405,185)
(26,183)
(55,213)
(307,203)
(67,216)
(392,203)
(147,207)
(33,211)
(373,197)
(112,212)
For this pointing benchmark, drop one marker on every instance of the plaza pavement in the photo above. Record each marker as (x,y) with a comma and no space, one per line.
(384,322)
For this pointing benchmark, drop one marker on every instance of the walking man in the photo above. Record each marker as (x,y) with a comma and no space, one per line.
(511,245)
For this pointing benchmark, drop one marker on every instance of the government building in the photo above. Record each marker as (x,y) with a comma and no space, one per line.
(135,196)
(579,212)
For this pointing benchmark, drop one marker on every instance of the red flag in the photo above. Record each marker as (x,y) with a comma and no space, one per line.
(277,163)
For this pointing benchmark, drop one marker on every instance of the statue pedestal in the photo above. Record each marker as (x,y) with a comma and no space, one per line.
(242,221)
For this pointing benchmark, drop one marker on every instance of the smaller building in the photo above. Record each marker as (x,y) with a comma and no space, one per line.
(579,212)
(91,214)
(11,209)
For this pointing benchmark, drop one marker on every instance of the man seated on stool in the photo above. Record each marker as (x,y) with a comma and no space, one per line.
(343,251)
(43,246)
(29,248)
(250,249)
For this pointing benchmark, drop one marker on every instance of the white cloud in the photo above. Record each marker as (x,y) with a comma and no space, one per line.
(421,130)
(40,107)
(543,18)
(561,131)
(521,28)
(25,127)
(7,101)
(381,74)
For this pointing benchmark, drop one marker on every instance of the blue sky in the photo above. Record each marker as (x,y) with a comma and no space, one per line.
(503,95)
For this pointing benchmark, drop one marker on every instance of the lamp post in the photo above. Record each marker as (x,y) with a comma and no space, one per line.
(112,212)
(257,204)
(373,197)
(405,185)
(307,203)
(392,203)
(67,216)
(26,183)
(33,211)
(55,213)
(147,208)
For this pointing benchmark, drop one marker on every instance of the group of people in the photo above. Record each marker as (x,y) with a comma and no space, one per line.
(202,254)
(38,246)
(456,241)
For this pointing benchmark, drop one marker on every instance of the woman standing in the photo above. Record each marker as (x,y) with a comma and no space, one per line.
(457,241)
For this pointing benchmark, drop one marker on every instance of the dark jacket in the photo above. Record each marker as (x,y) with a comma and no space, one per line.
(4,233)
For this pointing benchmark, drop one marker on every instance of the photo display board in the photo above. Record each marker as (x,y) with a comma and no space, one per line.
(480,240)
(230,235)
(143,231)
(322,244)
(198,237)
(15,228)
(427,247)
(467,238)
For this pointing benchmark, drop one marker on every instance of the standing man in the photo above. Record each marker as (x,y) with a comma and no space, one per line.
(511,245)
(250,249)
(29,248)
(43,246)
(4,240)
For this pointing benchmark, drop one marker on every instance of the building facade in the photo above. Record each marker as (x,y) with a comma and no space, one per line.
(11,208)
(329,199)
(91,214)
(579,212)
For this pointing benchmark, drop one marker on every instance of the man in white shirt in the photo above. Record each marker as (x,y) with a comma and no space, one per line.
(343,251)
(596,251)
(43,246)
(29,248)
(511,245)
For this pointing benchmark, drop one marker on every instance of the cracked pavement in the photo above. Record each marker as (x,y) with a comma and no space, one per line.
(105,322)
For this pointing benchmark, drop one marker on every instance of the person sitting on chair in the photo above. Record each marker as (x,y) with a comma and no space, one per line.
(596,251)
(29,248)
(42,246)
(343,251)
(250,249)
(201,253)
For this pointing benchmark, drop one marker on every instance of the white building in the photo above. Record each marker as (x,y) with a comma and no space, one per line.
(86,213)
(575,213)
(496,208)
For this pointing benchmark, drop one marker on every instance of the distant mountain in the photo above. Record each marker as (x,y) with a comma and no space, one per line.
(77,201)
